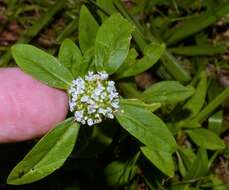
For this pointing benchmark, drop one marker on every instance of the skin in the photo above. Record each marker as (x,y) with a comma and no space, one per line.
(28,108)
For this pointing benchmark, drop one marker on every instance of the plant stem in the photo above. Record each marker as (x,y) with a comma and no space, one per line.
(174,68)
(213,157)
(212,105)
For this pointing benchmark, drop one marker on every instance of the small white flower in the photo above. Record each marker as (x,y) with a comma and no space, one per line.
(103,95)
(98,120)
(110,115)
(92,98)
(113,95)
(111,83)
(95,97)
(97,91)
(84,99)
(115,104)
(102,111)
(91,109)
(72,106)
(109,110)
(71,90)
(90,122)
(78,82)
(79,114)
(82,121)
(91,102)
(91,76)
(103,75)
(111,89)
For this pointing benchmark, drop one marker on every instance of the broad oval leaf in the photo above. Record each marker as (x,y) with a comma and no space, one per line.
(146,127)
(47,155)
(70,56)
(88,28)
(152,53)
(167,92)
(112,43)
(162,160)
(206,139)
(42,66)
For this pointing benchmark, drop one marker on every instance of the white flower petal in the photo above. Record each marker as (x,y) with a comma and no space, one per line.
(90,122)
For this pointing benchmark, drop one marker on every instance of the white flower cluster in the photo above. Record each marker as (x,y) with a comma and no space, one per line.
(92,98)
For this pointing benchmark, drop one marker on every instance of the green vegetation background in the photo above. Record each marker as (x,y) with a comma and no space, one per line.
(196,36)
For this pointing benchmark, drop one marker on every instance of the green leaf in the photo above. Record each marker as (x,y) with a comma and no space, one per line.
(136,102)
(47,155)
(42,66)
(88,28)
(187,156)
(106,8)
(181,165)
(118,173)
(162,160)
(87,61)
(215,103)
(215,122)
(185,159)
(167,92)
(107,5)
(173,69)
(112,43)
(128,62)
(198,50)
(196,24)
(206,138)
(187,123)
(152,54)
(197,101)
(70,56)
(199,167)
(146,127)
